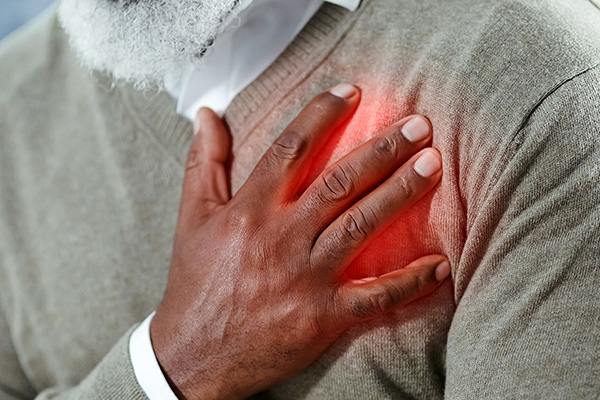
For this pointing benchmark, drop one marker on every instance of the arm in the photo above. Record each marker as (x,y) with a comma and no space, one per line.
(528,320)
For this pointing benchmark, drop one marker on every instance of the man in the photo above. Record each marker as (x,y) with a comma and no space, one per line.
(511,88)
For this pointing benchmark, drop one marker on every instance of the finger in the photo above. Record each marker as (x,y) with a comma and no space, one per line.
(285,165)
(341,241)
(205,184)
(360,300)
(358,172)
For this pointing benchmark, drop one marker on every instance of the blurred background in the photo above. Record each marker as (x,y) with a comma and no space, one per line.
(14,13)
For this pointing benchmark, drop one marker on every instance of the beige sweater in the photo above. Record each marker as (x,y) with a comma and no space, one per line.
(90,177)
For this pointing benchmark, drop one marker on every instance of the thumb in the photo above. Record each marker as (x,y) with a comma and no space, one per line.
(371,297)
(205,184)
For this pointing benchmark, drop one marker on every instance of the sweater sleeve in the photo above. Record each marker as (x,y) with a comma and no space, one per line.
(13,382)
(112,378)
(527,324)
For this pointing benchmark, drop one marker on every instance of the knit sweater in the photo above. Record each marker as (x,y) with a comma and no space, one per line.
(90,178)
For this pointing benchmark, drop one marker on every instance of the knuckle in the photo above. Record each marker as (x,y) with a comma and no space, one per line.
(383,302)
(326,102)
(338,182)
(385,299)
(194,160)
(363,309)
(325,318)
(356,225)
(289,146)
(404,187)
(239,218)
(398,292)
(386,146)
(419,284)
(378,302)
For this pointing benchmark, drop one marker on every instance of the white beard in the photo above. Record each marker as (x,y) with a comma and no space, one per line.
(142,42)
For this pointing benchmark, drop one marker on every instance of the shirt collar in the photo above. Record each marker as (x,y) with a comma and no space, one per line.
(351,5)
(254,36)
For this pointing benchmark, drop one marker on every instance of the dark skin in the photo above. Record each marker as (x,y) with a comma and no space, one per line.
(257,289)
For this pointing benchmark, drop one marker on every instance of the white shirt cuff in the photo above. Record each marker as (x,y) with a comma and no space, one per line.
(145,365)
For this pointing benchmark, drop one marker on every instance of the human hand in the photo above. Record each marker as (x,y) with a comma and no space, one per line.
(257,289)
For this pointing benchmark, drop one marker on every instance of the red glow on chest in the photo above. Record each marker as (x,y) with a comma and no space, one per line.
(400,243)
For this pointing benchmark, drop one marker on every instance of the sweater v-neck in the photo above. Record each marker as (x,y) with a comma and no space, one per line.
(155,113)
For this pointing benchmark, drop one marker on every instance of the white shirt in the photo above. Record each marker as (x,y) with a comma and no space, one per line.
(251,41)
(253,38)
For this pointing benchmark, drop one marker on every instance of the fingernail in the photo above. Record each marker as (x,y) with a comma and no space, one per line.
(442,271)
(416,129)
(427,165)
(199,121)
(367,280)
(344,90)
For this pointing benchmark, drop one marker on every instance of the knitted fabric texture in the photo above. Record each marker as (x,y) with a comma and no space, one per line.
(90,177)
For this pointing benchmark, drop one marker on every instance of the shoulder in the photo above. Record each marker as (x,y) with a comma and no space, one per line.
(47,104)
(28,53)
(546,27)
(488,48)
(488,62)
(38,72)
(45,94)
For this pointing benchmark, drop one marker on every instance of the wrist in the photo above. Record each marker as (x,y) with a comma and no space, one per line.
(164,355)
(189,372)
